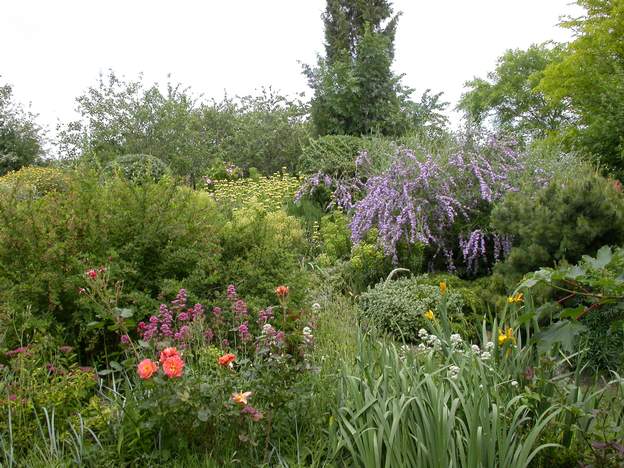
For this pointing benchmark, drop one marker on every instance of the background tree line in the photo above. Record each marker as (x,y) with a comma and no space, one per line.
(568,95)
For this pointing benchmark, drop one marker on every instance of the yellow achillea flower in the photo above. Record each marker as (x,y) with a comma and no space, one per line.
(429,315)
(516,298)
(506,336)
(443,287)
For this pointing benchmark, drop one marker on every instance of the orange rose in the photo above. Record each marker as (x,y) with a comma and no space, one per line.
(146,368)
(167,353)
(173,366)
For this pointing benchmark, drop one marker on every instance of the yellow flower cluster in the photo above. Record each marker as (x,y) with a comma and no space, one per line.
(506,336)
(271,192)
(429,315)
(35,179)
(516,298)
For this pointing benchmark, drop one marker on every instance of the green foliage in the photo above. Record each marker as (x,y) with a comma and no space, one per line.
(355,91)
(331,154)
(266,131)
(397,307)
(335,236)
(359,96)
(511,97)
(587,301)
(589,80)
(20,136)
(346,22)
(262,248)
(569,217)
(401,408)
(434,404)
(137,167)
(147,234)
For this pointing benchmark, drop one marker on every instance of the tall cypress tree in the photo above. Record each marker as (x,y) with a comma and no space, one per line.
(355,91)
(346,22)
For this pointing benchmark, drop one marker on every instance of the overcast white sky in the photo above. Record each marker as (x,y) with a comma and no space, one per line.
(51,51)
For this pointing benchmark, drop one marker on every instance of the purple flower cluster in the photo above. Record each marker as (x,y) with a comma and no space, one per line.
(418,199)
(171,322)
(264,315)
(343,189)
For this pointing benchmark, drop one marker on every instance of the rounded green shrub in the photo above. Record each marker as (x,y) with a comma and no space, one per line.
(332,154)
(566,219)
(137,167)
(397,307)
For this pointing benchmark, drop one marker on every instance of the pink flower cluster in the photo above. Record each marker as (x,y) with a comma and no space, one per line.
(93,273)
(171,322)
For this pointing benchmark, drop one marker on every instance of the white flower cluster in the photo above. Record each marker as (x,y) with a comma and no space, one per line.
(432,341)
(453,372)
(308,337)
(456,339)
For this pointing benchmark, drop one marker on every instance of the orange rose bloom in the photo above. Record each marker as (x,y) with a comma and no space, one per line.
(241,397)
(227,359)
(167,353)
(173,366)
(281,291)
(146,368)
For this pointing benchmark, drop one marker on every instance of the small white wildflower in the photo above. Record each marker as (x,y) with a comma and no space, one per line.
(489,345)
(453,372)
(481,386)
(514,383)
(485,355)
(316,306)
(422,333)
(307,331)
(422,347)
(475,349)
(456,338)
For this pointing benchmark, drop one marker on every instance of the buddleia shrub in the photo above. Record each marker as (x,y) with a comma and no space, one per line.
(564,220)
(397,307)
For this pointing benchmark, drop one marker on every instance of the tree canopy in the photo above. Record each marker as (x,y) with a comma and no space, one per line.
(20,135)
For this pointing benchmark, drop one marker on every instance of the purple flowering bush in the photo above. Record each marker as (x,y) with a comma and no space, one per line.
(439,200)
